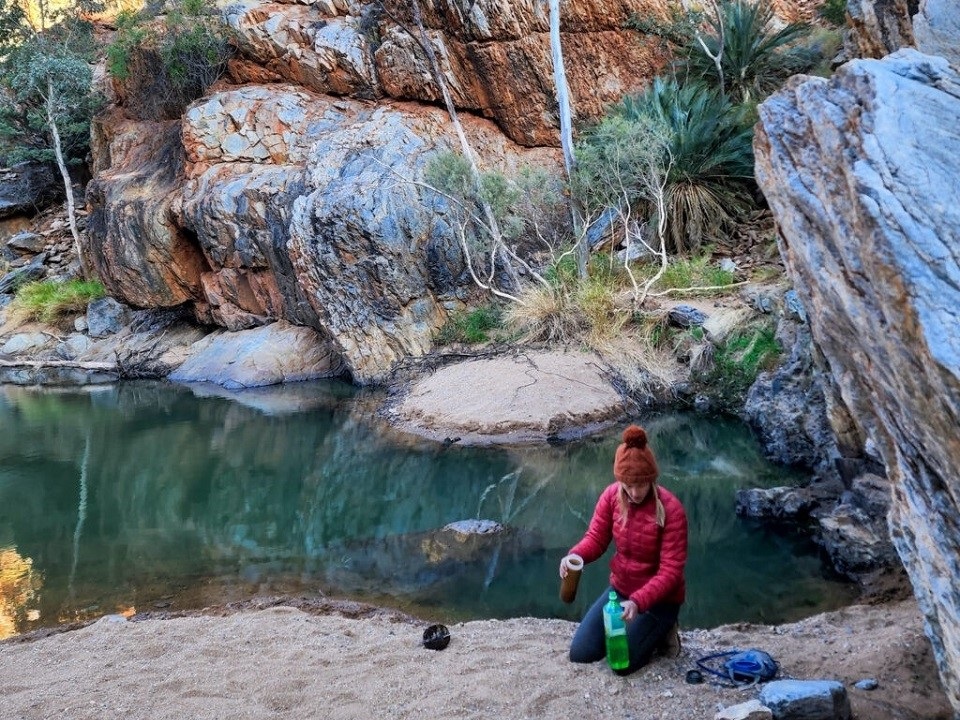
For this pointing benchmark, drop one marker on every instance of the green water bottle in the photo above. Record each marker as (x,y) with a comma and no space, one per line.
(618,655)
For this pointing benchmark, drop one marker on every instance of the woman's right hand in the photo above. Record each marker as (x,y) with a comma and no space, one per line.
(563,569)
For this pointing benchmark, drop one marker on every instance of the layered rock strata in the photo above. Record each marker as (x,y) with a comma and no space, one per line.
(861,173)
(494,54)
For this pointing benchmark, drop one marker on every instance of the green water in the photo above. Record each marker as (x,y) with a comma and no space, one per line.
(153,496)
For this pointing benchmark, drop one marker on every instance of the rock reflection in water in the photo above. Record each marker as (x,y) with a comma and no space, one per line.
(416,565)
(19,586)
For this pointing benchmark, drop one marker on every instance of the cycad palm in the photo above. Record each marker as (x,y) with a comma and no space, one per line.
(755,58)
(710,177)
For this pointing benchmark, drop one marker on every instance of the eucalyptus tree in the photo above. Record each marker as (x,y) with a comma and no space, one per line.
(46,87)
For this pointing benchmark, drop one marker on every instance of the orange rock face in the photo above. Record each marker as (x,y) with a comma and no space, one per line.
(497,59)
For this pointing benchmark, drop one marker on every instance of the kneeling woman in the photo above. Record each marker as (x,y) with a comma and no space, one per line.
(648,526)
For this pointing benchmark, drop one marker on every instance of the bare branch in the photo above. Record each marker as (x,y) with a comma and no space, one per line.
(699,288)
(423,40)
(721,40)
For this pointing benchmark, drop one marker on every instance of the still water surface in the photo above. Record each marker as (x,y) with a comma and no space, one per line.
(150,495)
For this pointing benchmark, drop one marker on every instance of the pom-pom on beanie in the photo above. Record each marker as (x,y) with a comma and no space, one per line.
(634,461)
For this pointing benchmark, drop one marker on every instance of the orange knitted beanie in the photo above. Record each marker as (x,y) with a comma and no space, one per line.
(634,461)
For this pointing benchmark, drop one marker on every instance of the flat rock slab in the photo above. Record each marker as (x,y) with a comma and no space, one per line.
(267,355)
(519,398)
(57,372)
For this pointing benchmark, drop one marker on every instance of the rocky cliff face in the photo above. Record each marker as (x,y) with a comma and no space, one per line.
(861,172)
(286,193)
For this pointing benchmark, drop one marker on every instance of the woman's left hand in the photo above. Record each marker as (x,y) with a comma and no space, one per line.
(630,610)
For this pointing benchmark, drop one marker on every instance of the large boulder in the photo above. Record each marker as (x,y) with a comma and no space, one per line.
(861,172)
(27,188)
(267,355)
(132,242)
(307,209)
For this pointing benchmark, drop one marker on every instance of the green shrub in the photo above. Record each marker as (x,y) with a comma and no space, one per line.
(662,334)
(694,272)
(756,59)
(470,327)
(739,360)
(527,205)
(129,36)
(47,301)
(562,272)
(620,162)
(166,62)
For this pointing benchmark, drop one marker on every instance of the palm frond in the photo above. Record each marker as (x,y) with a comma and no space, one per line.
(756,58)
(710,155)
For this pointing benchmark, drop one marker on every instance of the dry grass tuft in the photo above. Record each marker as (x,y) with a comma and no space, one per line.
(642,368)
(546,315)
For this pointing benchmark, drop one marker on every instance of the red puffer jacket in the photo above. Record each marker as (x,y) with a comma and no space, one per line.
(648,563)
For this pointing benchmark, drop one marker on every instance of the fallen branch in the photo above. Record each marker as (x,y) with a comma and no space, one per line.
(700,288)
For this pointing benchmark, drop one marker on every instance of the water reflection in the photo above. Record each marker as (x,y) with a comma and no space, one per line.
(19,585)
(152,495)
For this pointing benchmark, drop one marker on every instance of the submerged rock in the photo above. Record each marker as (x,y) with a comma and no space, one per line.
(475,527)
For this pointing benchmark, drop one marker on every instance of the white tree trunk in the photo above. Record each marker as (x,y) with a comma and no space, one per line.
(718,57)
(566,126)
(562,89)
(64,173)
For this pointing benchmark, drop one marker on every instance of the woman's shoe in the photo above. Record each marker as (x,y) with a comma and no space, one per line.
(670,645)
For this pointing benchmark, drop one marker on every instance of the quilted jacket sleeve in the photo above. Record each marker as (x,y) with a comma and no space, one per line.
(600,531)
(673,558)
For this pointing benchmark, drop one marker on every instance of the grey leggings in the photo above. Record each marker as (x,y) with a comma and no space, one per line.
(644,633)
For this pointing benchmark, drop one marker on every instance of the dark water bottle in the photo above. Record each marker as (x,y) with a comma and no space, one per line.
(618,655)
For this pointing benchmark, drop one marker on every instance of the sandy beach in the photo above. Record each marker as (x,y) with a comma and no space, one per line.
(272,660)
